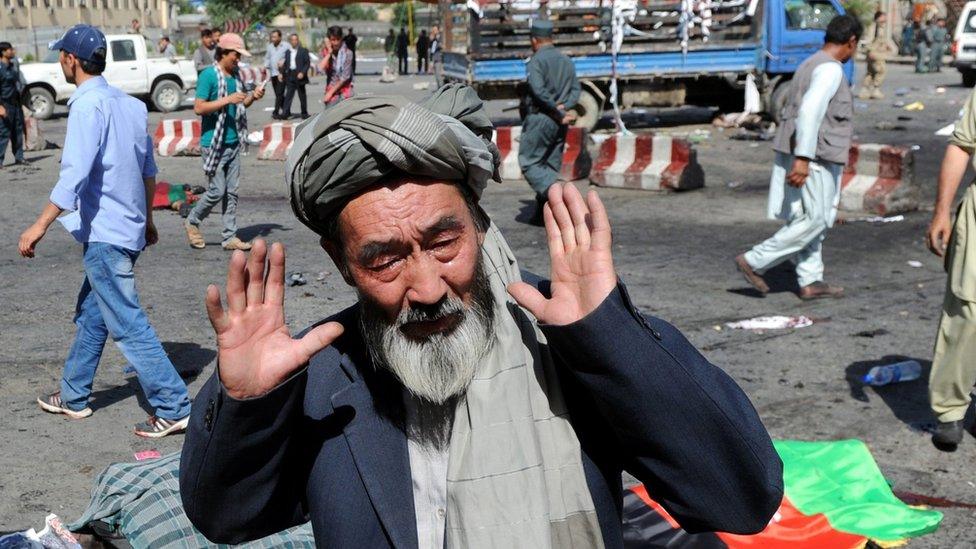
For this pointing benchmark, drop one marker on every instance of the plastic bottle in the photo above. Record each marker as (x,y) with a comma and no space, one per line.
(893,373)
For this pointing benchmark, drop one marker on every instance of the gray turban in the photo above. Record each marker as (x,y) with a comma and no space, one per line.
(359,141)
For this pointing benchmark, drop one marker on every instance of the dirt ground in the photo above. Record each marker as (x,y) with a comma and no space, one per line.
(674,252)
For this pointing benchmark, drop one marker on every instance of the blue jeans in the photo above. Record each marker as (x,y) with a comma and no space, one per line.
(108,304)
(221,189)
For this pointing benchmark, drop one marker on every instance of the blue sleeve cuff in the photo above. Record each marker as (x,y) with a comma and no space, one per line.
(64,198)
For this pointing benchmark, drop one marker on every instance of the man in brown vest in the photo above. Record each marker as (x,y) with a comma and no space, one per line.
(811,149)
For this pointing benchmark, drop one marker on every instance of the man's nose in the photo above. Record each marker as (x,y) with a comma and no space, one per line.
(425,283)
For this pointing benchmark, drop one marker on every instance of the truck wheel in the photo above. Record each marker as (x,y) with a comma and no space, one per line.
(777,101)
(589,111)
(166,96)
(969,78)
(41,102)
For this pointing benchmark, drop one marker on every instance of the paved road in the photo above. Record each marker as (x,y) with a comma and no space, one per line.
(674,251)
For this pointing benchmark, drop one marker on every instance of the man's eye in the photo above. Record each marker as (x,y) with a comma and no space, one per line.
(443,243)
(383,265)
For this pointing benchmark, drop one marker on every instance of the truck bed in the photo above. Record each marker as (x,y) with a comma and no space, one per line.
(716,59)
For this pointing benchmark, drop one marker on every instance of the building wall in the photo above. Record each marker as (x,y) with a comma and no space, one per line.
(24,14)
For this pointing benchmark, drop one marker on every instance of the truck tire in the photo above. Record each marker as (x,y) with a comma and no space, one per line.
(778,100)
(166,96)
(589,110)
(41,102)
(969,78)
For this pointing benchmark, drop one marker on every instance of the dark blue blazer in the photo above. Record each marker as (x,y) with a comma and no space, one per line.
(328,444)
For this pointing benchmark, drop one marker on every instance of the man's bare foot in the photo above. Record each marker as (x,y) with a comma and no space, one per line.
(751,276)
(819,290)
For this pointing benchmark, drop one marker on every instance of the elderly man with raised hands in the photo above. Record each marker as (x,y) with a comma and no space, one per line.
(461,402)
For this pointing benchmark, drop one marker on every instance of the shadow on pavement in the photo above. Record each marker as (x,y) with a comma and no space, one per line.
(781,278)
(909,400)
(189,359)
(261,229)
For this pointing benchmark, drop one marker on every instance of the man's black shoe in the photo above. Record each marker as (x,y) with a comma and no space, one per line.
(948,434)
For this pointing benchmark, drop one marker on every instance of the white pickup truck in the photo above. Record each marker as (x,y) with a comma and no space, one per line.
(129,68)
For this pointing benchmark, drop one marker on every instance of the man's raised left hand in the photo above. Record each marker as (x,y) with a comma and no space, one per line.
(582,272)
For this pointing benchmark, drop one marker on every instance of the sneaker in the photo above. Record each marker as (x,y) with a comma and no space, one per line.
(236,244)
(876,94)
(194,235)
(157,427)
(52,403)
(864,94)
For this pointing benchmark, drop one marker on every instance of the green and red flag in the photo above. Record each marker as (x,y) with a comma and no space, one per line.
(835,498)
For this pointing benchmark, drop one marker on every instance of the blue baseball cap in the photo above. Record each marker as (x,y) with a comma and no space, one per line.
(82,41)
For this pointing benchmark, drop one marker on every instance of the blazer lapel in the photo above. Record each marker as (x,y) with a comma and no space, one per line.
(379,448)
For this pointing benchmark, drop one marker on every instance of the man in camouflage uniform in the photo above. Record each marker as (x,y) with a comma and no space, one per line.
(878,51)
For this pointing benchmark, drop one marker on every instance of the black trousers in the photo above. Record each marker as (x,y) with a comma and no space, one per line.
(279,91)
(422,62)
(404,69)
(12,130)
(294,85)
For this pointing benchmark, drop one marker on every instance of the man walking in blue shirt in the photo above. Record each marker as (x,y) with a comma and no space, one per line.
(108,177)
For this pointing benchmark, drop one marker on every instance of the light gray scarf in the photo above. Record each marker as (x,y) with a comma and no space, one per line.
(515,473)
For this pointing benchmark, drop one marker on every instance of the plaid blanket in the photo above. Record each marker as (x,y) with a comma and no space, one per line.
(142,502)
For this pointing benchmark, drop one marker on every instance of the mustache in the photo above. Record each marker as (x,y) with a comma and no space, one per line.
(447,306)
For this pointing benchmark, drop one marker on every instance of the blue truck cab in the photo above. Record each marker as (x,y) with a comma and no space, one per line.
(653,68)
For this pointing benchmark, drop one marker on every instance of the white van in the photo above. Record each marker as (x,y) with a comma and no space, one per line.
(964,44)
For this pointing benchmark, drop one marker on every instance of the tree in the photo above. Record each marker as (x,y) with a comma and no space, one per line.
(348,12)
(251,10)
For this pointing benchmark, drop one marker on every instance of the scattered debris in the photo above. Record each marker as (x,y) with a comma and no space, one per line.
(699,135)
(738,120)
(255,137)
(296,279)
(901,92)
(940,90)
(421,86)
(321,276)
(916,106)
(885,125)
(53,536)
(860,105)
(876,219)
(898,104)
(776,322)
(946,131)
(905,118)
(916,147)
(734,184)
(915,264)
(872,333)
(147,454)
(898,372)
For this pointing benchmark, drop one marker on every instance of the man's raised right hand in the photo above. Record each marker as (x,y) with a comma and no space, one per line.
(255,352)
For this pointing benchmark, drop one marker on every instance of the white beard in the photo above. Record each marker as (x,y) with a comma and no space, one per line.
(441,366)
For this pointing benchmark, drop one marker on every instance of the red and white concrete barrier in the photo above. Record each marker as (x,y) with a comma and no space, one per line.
(277,141)
(879,180)
(175,137)
(252,74)
(576,159)
(648,162)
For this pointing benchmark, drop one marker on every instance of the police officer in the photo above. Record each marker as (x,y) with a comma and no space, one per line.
(11,115)
(552,92)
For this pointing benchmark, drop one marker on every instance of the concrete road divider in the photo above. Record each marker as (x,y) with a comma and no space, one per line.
(175,137)
(254,75)
(278,138)
(576,159)
(648,162)
(879,180)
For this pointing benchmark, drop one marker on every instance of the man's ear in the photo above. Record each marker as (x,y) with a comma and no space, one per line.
(338,258)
